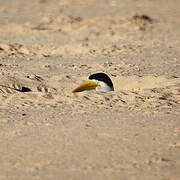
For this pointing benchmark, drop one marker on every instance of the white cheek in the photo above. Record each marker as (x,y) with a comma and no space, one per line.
(103,87)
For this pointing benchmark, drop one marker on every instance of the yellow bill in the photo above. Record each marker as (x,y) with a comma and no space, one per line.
(87,85)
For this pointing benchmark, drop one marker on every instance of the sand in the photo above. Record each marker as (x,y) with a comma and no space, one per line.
(47,48)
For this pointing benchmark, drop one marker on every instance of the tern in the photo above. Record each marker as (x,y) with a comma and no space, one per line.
(100,82)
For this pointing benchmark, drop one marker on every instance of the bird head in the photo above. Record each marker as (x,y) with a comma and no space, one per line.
(98,81)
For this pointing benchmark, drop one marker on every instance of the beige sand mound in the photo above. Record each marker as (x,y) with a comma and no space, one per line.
(135,83)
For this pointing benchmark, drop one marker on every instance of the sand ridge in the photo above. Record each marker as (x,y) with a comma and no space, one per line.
(148,93)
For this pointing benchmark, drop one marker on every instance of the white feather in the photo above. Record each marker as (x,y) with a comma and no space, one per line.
(103,87)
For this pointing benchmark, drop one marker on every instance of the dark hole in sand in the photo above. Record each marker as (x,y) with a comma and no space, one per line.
(25,89)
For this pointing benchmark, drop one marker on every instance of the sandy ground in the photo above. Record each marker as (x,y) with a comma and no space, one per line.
(48,47)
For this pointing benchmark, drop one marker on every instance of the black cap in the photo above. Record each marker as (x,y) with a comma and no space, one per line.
(102,77)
